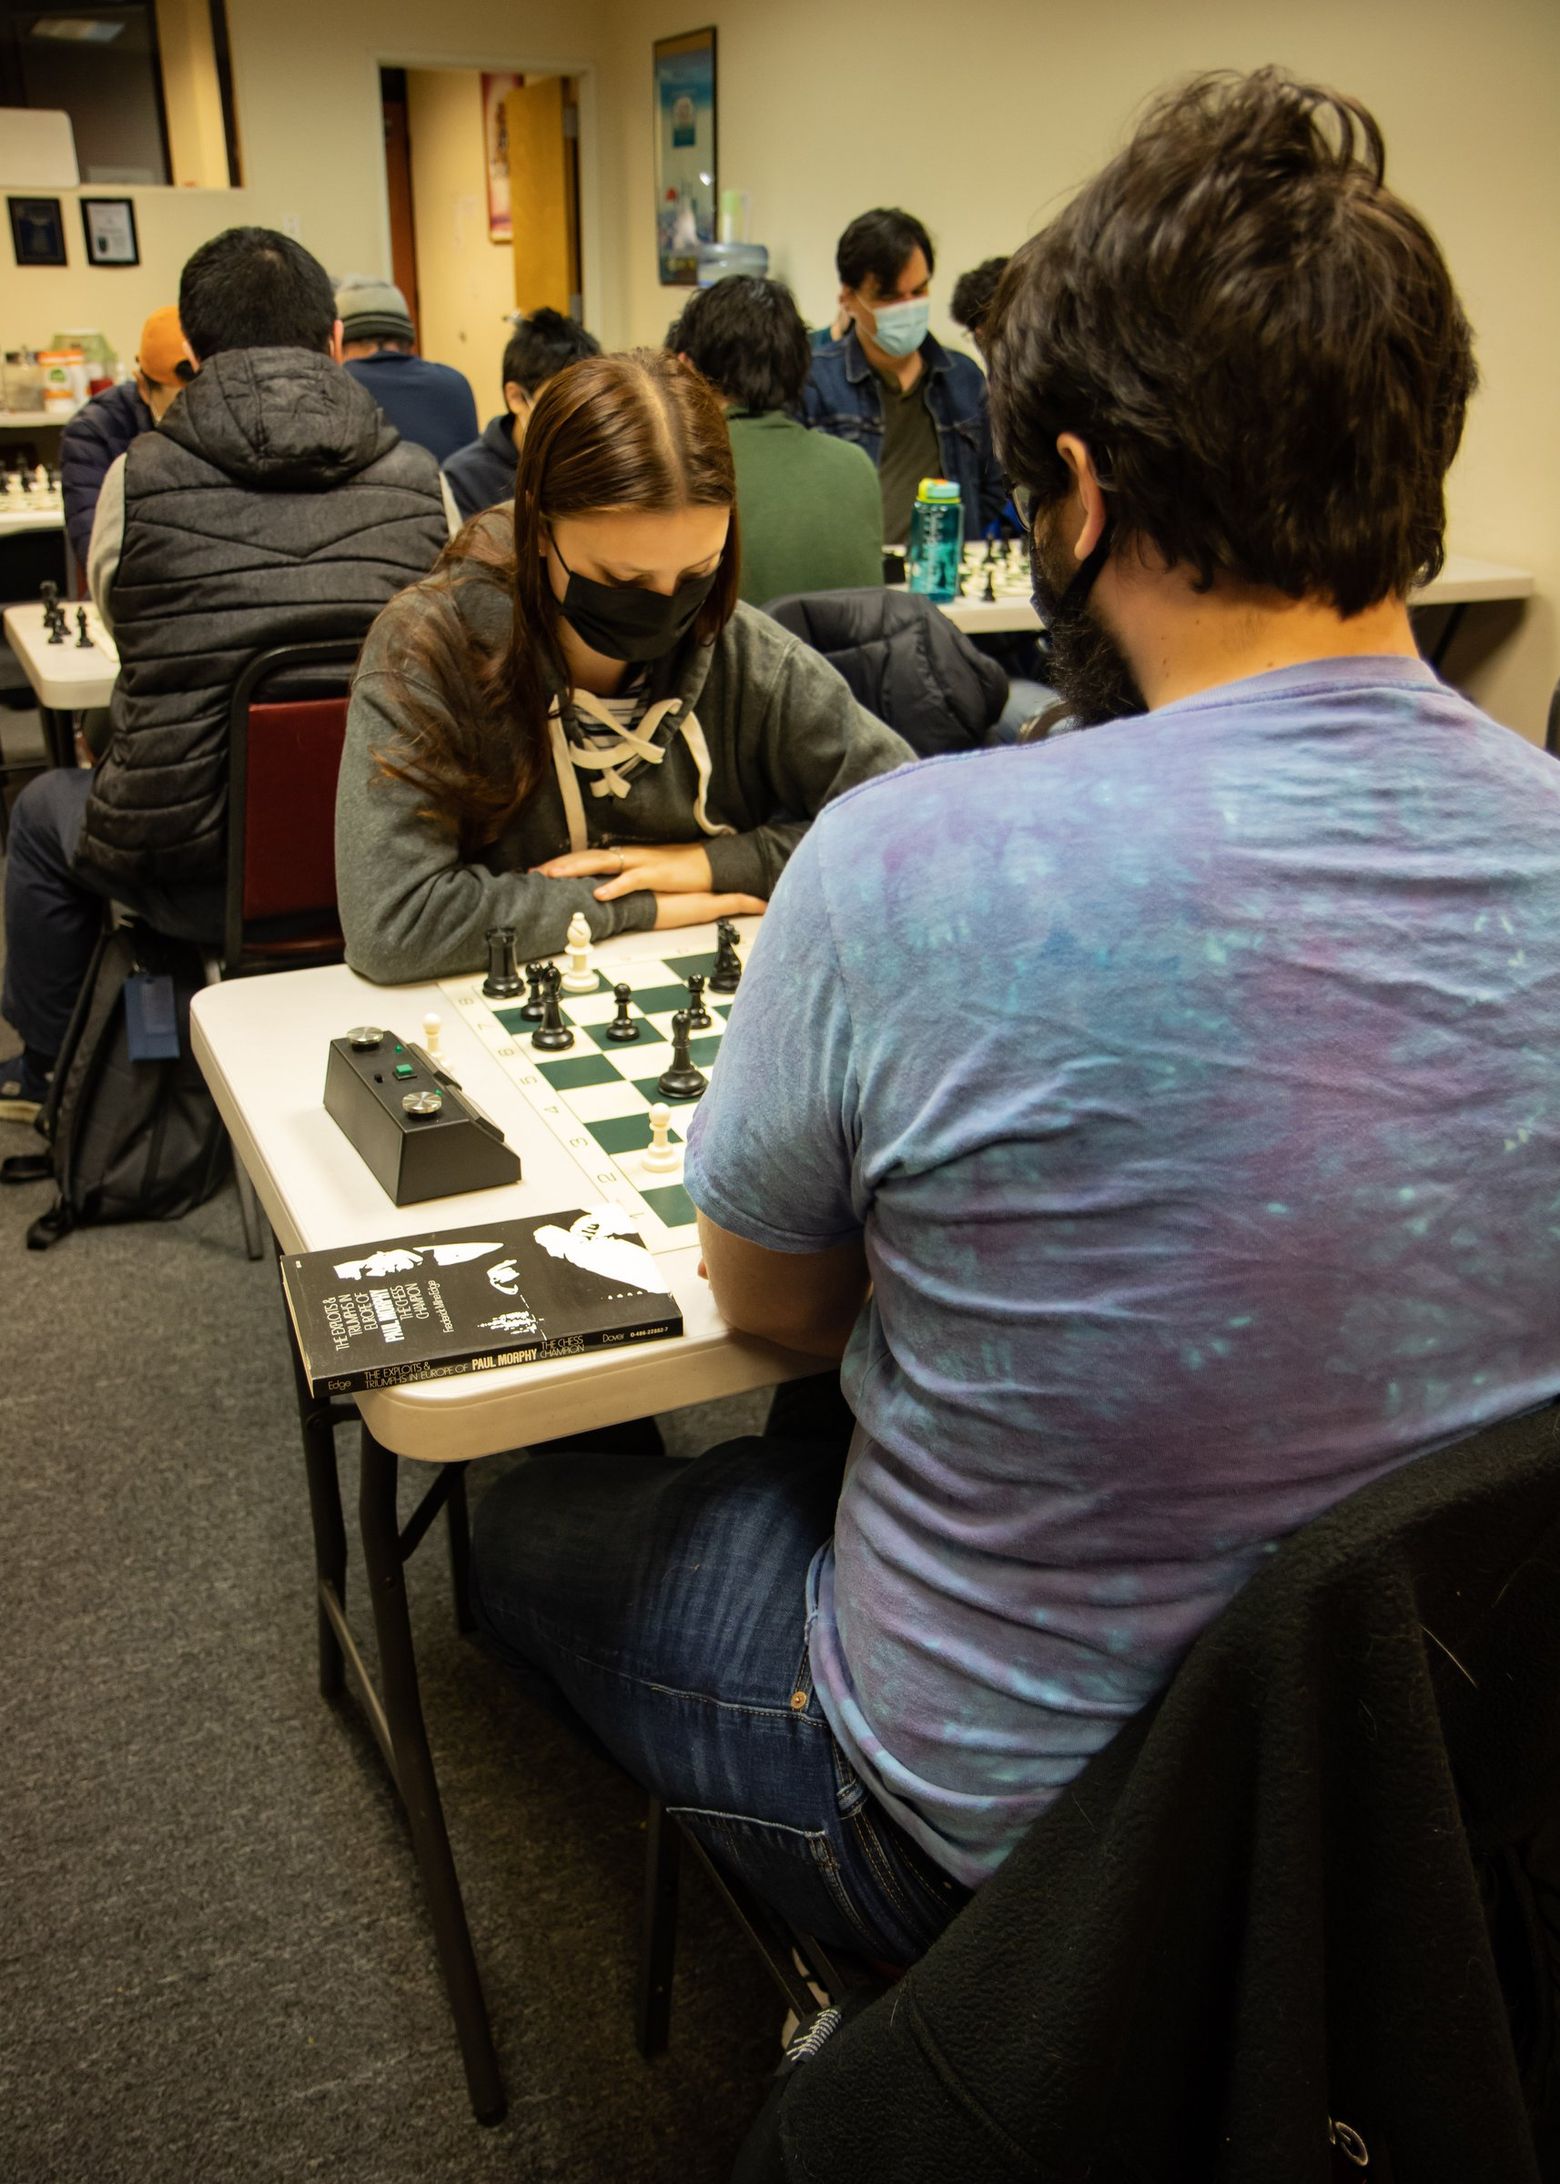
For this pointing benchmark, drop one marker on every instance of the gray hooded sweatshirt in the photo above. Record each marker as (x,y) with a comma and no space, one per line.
(752,737)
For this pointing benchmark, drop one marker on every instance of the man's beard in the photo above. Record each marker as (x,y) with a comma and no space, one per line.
(1087,668)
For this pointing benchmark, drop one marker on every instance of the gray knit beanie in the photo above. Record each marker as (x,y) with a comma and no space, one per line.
(373,311)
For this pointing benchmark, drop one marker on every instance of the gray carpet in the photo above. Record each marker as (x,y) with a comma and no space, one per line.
(214,1962)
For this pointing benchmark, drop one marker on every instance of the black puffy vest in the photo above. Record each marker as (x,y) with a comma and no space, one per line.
(274,505)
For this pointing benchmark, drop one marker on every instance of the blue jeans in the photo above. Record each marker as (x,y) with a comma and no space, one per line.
(53,915)
(666,1602)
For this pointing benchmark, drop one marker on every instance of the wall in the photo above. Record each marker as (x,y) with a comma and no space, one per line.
(466,283)
(984,129)
(307,92)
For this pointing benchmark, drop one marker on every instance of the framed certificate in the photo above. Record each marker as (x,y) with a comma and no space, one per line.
(109,224)
(37,230)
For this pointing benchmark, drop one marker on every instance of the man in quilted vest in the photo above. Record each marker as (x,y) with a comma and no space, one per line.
(275,504)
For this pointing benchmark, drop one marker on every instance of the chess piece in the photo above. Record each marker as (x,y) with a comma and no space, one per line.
(681,1081)
(991,588)
(579,977)
(83,641)
(552,1034)
(533,1010)
(622,1026)
(699,1017)
(726,977)
(433,1027)
(503,980)
(661,1156)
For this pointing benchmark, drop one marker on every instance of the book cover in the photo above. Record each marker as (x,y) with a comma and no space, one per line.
(510,1293)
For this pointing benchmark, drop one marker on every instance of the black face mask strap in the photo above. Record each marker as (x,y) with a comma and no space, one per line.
(1084,577)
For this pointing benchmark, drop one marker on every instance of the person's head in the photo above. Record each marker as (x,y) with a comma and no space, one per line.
(885,262)
(1237,358)
(373,316)
(624,544)
(749,340)
(539,347)
(250,288)
(972,294)
(162,361)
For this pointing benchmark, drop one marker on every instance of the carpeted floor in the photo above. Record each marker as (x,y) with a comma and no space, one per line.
(214,1962)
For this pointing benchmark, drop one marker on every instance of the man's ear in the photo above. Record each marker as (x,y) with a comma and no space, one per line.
(337,344)
(194,360)
(1087,490)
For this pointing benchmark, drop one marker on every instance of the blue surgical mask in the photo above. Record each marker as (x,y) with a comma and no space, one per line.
(902,327)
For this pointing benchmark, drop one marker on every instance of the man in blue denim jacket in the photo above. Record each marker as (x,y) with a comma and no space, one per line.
(917,408)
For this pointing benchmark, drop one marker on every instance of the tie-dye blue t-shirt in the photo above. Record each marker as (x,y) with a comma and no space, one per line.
(1195,1082)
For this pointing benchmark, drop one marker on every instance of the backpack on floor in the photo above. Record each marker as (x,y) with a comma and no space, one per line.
(128,1139)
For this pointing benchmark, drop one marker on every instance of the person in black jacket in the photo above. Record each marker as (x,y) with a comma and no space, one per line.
(274,504)
(101,431)
(482,473)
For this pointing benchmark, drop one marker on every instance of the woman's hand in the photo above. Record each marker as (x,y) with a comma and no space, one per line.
(673,910)
(666,868)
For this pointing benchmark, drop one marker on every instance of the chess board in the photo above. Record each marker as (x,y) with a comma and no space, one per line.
(1010,577)
(596,1096)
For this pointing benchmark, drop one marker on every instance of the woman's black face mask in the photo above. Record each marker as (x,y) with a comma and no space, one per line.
(626,622)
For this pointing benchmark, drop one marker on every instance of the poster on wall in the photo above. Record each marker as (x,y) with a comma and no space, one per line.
(495,139)
(685,171)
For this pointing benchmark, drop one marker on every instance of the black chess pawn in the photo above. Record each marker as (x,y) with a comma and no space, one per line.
(681,1081)
(726,977)
(83,641)
(25,475)
(991,584)
(503,980)
(699,1017)
(533,1010)
(552,1034)
(622,1026)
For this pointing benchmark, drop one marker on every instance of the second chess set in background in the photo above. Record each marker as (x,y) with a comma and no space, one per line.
(600,1096)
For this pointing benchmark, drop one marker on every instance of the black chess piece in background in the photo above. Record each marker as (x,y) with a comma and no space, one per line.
(503,980)
(622,1026)
(83,641)
(681,1081)
(726,977)
(699,1017)
(533,1010)
(552,1034)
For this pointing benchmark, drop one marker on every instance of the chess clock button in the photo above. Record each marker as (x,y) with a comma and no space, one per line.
(423,1103)
(405,1069)
(365,1037)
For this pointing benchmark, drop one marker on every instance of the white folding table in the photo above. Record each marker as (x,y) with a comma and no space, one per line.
(262,1045)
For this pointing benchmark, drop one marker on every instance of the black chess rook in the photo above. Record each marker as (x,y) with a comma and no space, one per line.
(681,1081)
(503,979)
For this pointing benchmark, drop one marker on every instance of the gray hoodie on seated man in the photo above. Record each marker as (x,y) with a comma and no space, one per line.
(276,504)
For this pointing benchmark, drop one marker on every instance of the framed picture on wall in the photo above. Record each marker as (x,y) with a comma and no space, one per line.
(495,151)
(109,224)
(685,141)
(37,230)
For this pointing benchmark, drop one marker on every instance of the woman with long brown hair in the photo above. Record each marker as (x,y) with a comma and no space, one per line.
(573,712)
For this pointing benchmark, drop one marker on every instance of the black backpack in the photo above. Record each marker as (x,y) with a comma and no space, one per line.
(128,1140)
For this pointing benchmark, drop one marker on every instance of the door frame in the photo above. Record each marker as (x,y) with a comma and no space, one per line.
(587,98)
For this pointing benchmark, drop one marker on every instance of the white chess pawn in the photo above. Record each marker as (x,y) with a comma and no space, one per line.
(579,977)
(662,1157)
(433,1025)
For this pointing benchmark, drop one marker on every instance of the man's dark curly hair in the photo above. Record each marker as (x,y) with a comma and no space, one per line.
(1259,343)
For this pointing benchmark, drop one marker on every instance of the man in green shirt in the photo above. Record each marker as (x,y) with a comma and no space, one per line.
(809,506)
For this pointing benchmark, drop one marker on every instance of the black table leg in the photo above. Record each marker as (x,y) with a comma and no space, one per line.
(415,1778)
(459,1522)
(59,735)
(658,1937)
(318,1420)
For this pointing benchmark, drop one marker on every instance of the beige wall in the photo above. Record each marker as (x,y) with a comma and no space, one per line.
(982,124)
(466,284)
(307,91)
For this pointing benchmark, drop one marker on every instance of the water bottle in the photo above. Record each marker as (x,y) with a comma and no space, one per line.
(936,539)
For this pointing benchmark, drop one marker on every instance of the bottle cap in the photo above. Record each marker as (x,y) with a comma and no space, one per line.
(937,489)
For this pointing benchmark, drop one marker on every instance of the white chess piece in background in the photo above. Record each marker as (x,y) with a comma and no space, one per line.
(432,1026)
(661,1157)
(579,977)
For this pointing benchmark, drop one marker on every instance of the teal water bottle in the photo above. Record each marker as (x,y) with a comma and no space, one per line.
(936,539)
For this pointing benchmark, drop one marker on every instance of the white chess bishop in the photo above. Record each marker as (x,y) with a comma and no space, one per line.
(579,977)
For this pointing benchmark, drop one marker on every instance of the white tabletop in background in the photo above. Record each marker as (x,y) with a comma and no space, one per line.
(262,1044)
(16,516)
(1462,582)
(64,676)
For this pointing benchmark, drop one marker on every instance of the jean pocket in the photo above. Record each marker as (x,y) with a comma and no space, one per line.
(793,1869)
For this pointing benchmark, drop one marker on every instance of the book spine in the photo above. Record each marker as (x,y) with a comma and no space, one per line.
(366,1379)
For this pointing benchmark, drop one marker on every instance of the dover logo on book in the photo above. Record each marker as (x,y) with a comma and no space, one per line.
(427,1306)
